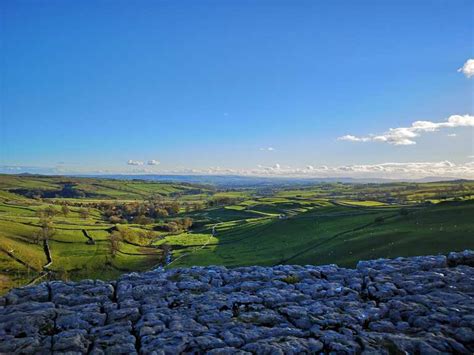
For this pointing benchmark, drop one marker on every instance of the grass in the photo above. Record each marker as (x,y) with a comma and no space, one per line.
(314,224)
(268,241)
(433,230)
(341,239)
(363,203)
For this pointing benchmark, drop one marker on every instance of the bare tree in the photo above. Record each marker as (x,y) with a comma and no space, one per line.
(84,213)
(115,240)
(65,210)
(46,230)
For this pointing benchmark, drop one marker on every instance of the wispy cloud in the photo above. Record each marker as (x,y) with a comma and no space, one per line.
(468,68)
(151,162)
(389,170)
(268,149)
(351,138)
(407,135)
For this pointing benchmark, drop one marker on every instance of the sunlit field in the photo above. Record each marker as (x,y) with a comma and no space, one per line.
(76,228)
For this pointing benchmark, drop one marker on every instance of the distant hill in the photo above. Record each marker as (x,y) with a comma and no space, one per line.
(244,181)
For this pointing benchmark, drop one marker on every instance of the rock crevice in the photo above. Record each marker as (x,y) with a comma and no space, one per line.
(414,305)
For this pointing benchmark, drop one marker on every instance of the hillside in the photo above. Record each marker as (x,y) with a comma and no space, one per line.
(420,305)
(77,228)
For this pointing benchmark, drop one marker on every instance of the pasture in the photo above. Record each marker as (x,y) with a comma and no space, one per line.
(315,224)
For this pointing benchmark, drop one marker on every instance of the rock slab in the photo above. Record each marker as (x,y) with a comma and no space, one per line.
(412,305)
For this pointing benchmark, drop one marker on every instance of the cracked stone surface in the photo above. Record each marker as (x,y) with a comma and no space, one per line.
(419,305)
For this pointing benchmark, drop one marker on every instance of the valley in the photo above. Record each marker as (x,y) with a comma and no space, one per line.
(74,228)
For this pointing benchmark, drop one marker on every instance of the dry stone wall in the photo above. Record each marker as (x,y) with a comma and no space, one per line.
(407,305)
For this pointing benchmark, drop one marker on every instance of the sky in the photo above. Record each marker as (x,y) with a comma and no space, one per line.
(266,87)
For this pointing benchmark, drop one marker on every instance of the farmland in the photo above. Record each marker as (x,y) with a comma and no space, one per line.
(75,228)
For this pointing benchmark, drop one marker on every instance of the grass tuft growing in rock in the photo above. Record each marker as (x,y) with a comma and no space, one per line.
(291,279)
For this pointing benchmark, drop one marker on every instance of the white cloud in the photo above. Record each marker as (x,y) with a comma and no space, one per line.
(468,68)
(407,135)
(274,168)
(153,162)
(135,162)
(390,170)
(351,138)
(268,149)
(452,135)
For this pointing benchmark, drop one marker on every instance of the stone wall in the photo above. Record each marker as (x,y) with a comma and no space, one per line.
(416,305)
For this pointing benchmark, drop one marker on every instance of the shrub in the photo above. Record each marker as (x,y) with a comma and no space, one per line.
(117,220)
(141,219)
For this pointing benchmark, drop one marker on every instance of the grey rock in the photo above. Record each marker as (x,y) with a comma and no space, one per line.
(463,258)
(382,326)
(71,341)
(409,305)
(227,351)
(126,314)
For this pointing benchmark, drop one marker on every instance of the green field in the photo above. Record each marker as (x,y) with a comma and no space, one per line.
(113,226)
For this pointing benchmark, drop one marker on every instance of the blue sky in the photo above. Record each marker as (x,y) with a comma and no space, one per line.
(209,86)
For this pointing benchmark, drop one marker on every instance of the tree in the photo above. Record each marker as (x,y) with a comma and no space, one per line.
(141,219)
(84,213)
(172,227)
(47,212)
(127,234)
(173,208)
(145,237)
(161,212)
(46,230)
(65,210)
(155,198)
(187,223)
(50,211)
(117,220)
(115,240)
